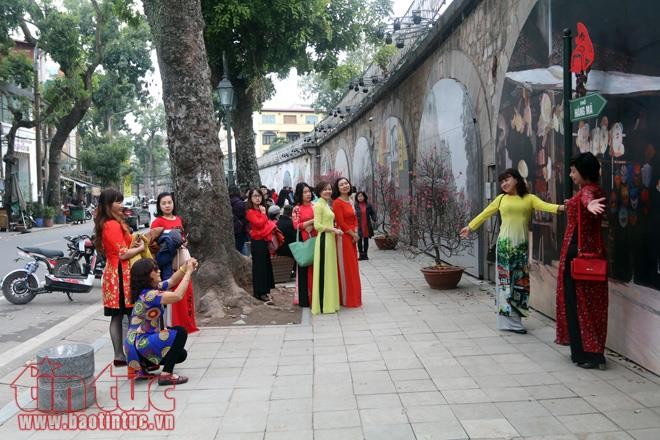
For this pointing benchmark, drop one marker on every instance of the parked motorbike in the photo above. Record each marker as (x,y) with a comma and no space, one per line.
(81,248)
(20,286)
(89,211)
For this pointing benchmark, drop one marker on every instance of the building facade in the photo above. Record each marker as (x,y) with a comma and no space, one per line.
(277,126)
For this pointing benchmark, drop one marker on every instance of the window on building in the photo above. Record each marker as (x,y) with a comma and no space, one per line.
(268,119)
(290,119)
(311,119)
(292,136)
(268,137)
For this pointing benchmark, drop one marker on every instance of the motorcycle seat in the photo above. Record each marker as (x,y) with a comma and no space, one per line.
(50,253)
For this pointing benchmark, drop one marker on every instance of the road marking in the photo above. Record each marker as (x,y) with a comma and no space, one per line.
(31,344)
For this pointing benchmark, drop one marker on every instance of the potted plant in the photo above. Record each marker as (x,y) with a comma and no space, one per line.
(437,212)
(37,213)
(48,213)
(59,217)
(388,210)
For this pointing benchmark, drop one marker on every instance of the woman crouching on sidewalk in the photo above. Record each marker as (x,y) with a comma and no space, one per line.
(146,345)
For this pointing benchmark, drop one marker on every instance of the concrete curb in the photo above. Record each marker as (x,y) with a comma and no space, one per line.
(31,344)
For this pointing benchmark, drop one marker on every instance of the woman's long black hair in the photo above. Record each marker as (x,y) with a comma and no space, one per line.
(141,276)
(298,195)
(104,213)
(521,187)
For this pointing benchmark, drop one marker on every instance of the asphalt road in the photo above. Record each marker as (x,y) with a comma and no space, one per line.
(20,323)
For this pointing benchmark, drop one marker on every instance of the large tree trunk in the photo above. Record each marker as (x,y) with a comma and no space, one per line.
(195,154)
(247,171)
(62,131)
(10,161)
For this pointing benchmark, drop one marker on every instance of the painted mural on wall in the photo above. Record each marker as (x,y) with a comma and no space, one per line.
(625,137)
(447,124)
(341,164)
(363,172)
(287,174)
(392,153)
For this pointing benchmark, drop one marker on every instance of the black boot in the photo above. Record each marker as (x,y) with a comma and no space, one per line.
(361,257)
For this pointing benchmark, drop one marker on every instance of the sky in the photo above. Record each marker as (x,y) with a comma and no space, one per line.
(287,91)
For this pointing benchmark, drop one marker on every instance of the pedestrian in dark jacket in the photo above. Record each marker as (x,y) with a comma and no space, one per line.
(366,215)
(240,223)
(285,224)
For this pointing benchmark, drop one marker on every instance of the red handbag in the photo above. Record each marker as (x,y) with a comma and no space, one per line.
(588,266)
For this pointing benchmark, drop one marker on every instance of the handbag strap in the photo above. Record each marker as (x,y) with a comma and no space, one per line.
(600,239)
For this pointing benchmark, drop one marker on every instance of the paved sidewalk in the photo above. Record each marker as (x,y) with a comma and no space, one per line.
(410,364)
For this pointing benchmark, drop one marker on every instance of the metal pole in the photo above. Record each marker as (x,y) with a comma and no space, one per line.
(230,158)
(37,128)
(568,126)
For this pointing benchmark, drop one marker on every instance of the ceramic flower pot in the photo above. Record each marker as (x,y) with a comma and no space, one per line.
(442,277)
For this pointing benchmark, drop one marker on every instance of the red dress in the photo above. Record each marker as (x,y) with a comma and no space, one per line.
(350,289)
(591,297)
(183,312)
(301,214)
(116,241)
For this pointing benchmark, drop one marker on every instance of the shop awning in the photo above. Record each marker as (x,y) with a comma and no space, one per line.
(77,182)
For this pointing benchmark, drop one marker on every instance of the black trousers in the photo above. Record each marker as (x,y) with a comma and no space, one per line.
(303,291)
(262,269)
(177,353)
(578,355)
(363,245)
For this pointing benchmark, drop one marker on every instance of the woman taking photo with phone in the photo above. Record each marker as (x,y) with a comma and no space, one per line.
(147,346)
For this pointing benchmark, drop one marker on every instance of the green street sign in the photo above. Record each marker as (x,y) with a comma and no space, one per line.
(586,107)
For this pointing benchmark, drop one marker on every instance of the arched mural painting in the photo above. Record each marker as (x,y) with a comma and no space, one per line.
(287,180)
(624,138)
(392,154)
(448,124)
(326,164)
(362,166)
(341,164)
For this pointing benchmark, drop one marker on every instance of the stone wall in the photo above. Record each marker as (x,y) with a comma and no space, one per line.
(475,45)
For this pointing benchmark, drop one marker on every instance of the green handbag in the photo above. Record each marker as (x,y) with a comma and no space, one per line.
(303,251)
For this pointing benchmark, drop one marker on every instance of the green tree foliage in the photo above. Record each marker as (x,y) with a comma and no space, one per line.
(106,157)
(262,37)
(103,57)
(16,80)
(149,148)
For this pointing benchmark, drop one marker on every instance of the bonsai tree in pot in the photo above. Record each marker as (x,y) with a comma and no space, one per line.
(388,210)
(437,212)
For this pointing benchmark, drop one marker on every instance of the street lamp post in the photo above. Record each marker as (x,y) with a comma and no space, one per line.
(226,92)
